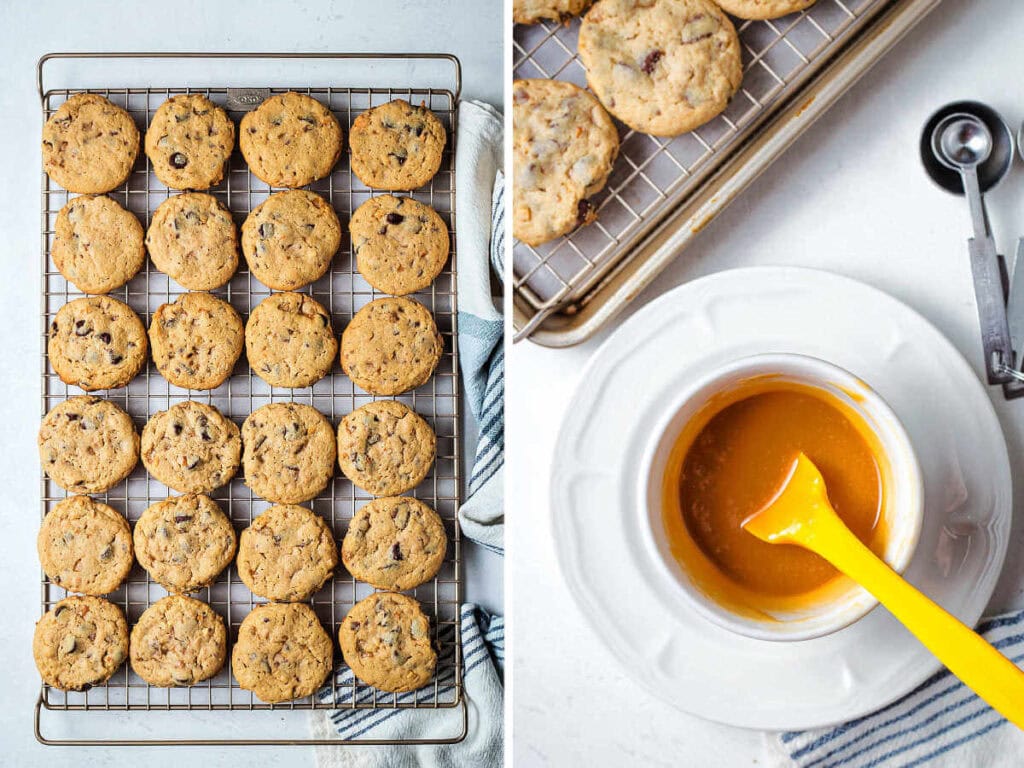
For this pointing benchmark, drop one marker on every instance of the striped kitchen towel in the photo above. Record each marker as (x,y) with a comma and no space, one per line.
(483,654)
(480,205)
(941,724)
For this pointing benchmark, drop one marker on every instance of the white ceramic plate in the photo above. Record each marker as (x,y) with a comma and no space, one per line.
(638,613)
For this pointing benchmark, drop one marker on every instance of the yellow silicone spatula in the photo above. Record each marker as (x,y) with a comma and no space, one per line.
(801,514)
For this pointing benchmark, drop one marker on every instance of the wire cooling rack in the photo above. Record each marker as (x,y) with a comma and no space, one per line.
(342,291)
(654,177)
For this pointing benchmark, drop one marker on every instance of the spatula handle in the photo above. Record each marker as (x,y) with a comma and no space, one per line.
(967,654)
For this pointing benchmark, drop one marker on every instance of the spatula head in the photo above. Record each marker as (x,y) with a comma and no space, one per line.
(788,518)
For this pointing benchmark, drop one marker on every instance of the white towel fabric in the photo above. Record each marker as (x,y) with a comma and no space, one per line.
(480,243)
(483,654)
(941,724)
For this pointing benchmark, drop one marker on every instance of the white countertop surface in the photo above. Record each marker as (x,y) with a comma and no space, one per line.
(471,29)
(850,197)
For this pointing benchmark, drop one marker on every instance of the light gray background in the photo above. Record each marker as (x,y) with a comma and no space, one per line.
(471,29)
(850,197)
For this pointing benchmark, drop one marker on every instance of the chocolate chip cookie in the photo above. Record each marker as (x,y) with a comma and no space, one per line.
(178,641)
(287,554)
(289,340)
(97,343)
(196,340)
(394,543)
(85,546)
(282,653)
(663,67)
(385,639)
(97,244)
(88,445)
(396,146)
(289,240)
(89,144)
(193,239)
(80,643)
(290,140)
(288,452)
(385,448)
(191,447)
(532,11)
(400,244)
(563,145)
(763,9)
(189,141)
(391,346)
(184,542)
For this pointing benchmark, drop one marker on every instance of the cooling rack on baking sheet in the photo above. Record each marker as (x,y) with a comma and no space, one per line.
(342,291)
(654,178)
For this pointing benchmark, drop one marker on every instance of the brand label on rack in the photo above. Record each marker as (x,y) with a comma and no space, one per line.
(244,99)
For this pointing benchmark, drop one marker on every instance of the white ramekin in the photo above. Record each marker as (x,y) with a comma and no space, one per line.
(844,602)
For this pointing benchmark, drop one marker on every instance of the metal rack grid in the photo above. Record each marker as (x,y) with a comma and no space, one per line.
(342,291)
(653,175)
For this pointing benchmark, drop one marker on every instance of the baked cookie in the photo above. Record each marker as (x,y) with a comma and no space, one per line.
(290,140)
(189,141)
(178,641)
(394,543)
(196,340)
(89,144)
(287,554)
(289,239)
(532,11)
(385,448)
(191,447)
(396,146)
(289,340)
(80,643)
(663,67)
(97,343)
(184,542)
(763,9)
(88,445)
(85,546)
(97,244)
(385,639)
(193,239)
(282,652)
(391,346)
(288,452)
(564,145)
(400,244)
